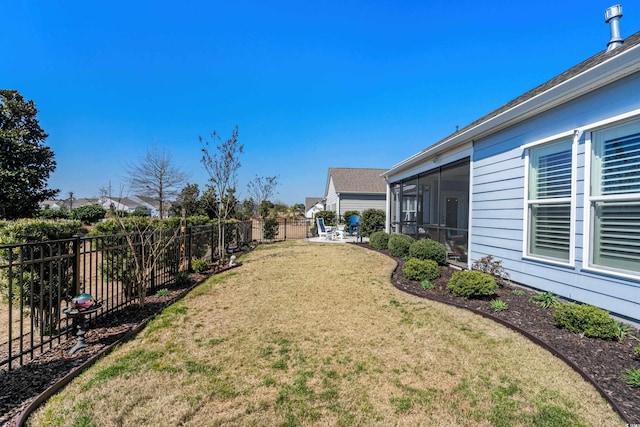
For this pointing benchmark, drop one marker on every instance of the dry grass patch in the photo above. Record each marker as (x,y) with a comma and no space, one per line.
(314,334)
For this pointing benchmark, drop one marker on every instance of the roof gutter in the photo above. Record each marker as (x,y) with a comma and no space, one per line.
(608,71)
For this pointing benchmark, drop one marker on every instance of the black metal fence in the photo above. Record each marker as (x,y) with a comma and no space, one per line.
(37,280)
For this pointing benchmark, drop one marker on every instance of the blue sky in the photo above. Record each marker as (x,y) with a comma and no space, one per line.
(311,85)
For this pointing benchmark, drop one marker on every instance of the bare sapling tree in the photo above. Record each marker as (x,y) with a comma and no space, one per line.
(147,242)
(261,189)
(221,161)
(156,176)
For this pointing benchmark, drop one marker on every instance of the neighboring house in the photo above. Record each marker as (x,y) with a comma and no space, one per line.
(125,204)
(52,204)
(82,202)
(151,206)
(355,189)
(68,204)
(549,184)
(313,205)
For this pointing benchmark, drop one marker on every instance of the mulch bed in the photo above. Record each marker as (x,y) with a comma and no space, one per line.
(603,362)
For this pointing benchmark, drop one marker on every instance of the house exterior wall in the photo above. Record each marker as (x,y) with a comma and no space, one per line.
(498,200)
(332,198)
(361,202)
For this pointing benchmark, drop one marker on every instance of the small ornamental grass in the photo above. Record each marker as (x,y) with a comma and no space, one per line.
(632,377)
(427,286)
(200,265)
(472,284)
(428,249)
(585,319)
(499,305)
(545,300)
(399,245)
(163,292)
(418,269)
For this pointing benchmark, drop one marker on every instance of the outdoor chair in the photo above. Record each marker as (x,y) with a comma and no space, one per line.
(354,224)
(323,231)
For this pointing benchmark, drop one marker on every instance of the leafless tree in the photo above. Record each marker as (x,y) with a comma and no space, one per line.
(222,163)
(261,189)
(156,176)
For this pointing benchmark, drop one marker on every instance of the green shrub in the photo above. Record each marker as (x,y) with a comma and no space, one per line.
(347,214)
(587,320)
(428,249)
(88,214)
(200,265)
(472,284)
(379,240)
(399,245)
(419,269)
(138,213)
(270,228)
(372,220)
(53,214)
(329,217)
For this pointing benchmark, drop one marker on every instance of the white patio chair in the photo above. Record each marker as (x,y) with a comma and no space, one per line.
(323,231)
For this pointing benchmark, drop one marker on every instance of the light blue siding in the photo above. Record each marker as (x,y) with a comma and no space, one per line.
(497,201)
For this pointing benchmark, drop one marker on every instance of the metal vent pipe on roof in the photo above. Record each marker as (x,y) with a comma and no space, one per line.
(612,17)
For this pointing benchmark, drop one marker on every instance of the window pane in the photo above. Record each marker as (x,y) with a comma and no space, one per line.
(617,235)
(621,165)
(550,171)
(550,229)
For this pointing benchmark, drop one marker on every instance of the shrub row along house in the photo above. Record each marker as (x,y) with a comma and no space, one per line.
(548,183)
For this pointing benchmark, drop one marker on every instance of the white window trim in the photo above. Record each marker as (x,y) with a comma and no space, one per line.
(577,134)
(587,216)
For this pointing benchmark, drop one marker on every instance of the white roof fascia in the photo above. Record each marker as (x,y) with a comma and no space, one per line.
(608,71)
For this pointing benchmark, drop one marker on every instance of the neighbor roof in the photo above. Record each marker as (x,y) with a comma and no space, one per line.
(357,180)
(310,202)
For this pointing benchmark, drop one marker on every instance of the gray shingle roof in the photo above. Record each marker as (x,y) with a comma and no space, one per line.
(309,202)
(357,180)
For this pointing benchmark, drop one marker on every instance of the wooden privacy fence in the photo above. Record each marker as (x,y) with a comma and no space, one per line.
(38,280)
(287,229)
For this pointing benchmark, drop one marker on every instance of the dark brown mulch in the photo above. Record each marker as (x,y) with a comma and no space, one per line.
(601,361)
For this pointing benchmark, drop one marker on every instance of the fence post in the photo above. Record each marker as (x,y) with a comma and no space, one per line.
(285,229)
(188,248)
(153,261)
(75,269)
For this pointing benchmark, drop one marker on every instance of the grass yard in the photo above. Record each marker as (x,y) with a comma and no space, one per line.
(315,334)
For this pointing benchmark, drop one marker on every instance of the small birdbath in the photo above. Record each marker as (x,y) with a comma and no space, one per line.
(79,323)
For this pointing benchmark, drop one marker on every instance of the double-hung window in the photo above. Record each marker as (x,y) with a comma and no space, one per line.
(614,198)
(549,220)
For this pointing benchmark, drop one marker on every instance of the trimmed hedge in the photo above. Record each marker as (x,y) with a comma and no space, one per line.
(472,284)
(399,245)
(428,249)
(379,240)
(585,319)
(419,269)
